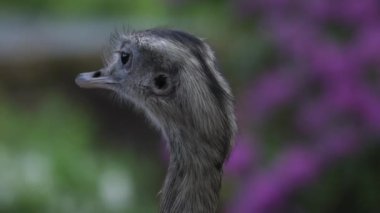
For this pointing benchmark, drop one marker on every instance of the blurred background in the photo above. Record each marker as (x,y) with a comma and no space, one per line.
(305,75)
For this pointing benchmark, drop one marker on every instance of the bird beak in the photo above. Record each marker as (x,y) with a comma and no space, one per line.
(94,79)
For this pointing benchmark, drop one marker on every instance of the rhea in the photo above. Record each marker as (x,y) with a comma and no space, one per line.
(172,76)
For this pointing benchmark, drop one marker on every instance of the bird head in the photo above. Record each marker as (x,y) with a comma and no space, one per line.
(171,75)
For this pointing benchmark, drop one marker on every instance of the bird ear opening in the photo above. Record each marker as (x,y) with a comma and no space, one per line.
(161,84)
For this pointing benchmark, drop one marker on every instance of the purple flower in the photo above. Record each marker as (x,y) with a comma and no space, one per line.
(369,106)
(338,143)
(312,118)
(353,12)
(366,45)
(297,166)
(242,157)
(330,79)
(272,91)
(265,192)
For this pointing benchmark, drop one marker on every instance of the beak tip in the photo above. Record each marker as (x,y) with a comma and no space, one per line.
(83,80)
(92,80)
(79,80)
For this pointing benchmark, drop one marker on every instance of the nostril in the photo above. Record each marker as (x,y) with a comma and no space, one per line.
(97,74)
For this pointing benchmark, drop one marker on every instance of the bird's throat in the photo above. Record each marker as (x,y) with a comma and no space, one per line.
(193,180)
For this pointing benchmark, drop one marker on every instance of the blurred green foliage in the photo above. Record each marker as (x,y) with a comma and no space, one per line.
(227,32)
(87,7)
(47,163)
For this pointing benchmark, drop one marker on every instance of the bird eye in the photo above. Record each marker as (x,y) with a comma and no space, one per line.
(124,57)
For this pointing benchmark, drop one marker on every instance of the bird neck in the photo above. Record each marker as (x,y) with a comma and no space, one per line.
(194,176)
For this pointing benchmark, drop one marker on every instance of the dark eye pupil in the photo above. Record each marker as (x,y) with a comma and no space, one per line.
(125,57)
